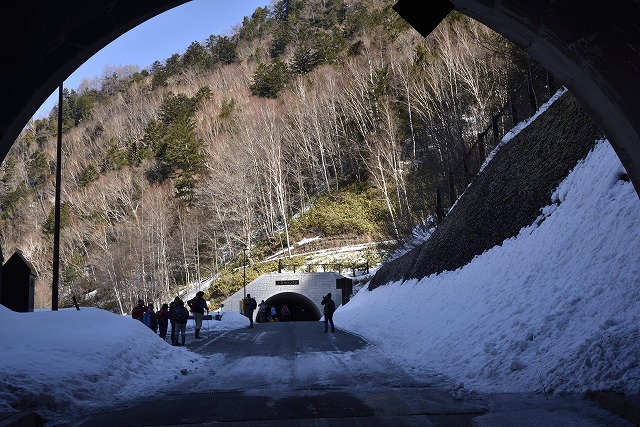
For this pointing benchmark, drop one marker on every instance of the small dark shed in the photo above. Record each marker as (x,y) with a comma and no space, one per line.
(346,284)
(18,283)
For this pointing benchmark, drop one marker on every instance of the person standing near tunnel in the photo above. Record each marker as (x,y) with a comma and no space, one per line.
(262,312)
(250,304)
(286,315)
(198,306)
(329,308)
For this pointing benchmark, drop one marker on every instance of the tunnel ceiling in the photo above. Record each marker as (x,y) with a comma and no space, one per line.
(593,47)
(44,42)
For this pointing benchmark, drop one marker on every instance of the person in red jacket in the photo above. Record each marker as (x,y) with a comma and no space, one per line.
(139,310)
(286,315)
(163,320)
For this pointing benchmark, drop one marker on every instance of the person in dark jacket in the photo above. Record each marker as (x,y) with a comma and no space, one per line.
(163,320)
(198,306)
(172,311)
(329,308)
(181,317)
(249,304)
(139,310)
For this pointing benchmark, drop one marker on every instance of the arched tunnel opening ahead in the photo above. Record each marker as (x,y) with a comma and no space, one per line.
(301,308)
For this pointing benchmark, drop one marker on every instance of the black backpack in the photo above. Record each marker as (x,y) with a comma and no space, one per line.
(329,306)
(182,315)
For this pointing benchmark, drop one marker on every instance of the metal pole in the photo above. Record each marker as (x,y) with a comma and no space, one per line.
(244,271)
(56,227)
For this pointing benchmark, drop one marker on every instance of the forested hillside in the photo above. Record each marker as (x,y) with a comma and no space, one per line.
(170,173)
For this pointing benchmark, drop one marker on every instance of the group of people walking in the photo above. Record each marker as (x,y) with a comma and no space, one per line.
(269,313)
(176,314)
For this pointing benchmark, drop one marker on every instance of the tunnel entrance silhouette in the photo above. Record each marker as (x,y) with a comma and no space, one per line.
(302,309)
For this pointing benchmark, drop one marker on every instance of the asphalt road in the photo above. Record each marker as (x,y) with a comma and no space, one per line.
(282,339)
(293,374)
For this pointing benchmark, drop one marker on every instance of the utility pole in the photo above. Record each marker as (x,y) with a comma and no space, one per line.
(244,271)
(56,226)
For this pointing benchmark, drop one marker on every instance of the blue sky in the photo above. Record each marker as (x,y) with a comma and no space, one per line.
(160,37)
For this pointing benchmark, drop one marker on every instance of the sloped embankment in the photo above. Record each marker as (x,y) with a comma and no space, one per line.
(506,196)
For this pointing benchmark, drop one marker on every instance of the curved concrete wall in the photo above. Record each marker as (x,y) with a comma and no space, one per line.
(312,285)
(44,42)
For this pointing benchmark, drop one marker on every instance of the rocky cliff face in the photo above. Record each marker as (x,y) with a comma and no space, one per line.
(506,196)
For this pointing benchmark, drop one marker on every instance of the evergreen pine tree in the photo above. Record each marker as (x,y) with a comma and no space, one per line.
(270,79)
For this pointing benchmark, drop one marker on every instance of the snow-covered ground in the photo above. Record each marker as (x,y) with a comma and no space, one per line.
(554,309)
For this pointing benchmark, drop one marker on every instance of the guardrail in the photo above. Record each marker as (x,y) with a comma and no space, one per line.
(217,316)
(312,268)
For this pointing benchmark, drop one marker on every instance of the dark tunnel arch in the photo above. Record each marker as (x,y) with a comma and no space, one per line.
(593,48)
(40,52)
(302,308)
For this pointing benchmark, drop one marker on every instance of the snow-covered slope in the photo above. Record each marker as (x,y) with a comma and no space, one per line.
(554,309)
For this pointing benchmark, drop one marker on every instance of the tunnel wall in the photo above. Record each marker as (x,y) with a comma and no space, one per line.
(43,42)
(312,285)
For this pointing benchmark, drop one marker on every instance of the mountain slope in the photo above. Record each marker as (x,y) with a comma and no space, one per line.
(506,196)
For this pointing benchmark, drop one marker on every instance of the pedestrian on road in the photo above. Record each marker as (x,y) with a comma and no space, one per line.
(262,312)
(182,316)
(329,308)
(138,311)
(250,304)
(198,306)
(172,311)
(163,320)
(286,315)
(274,314)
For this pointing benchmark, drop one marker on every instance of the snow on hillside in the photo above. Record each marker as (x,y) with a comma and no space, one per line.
(554,309)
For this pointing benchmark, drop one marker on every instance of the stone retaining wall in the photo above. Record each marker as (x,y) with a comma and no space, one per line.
(506,196)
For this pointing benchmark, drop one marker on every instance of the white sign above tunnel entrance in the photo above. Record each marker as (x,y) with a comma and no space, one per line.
(287,282)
